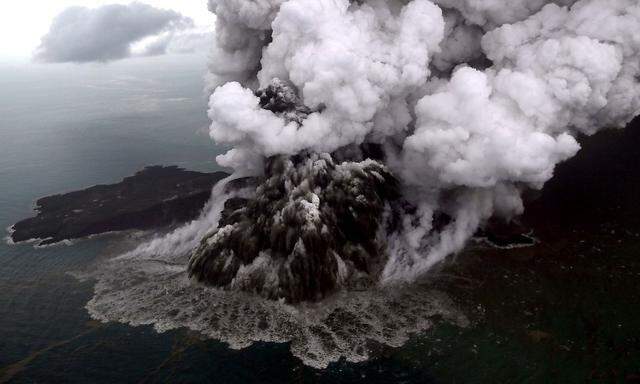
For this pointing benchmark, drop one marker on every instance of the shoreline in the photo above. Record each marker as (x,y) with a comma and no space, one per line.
(154,197)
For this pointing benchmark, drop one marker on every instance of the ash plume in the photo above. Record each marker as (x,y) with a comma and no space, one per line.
(311,227)
(466,103)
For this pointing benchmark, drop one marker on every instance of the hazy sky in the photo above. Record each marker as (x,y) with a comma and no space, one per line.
(24,22)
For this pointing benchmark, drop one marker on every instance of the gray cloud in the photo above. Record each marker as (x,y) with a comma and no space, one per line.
(107,33)
(189,41)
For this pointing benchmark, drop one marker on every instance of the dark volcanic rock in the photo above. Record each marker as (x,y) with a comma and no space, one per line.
(154,197)
(280,98)
(311,224)
(310,227)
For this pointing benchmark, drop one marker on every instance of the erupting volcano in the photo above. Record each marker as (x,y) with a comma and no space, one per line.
(370,140)
(381,135)
(312,224)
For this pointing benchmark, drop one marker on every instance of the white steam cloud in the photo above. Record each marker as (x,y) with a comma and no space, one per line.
(470,101)
(473,101)
(116,31)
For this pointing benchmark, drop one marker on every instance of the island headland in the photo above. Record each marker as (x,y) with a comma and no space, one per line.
(154,197)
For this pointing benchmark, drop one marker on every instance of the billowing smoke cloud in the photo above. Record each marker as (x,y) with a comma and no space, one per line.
(471,102)
(110,32)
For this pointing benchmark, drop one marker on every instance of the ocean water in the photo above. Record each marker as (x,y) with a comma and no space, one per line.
(564,310)
(66,127)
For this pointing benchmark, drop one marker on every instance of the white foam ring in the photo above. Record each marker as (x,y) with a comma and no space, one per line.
(149,286)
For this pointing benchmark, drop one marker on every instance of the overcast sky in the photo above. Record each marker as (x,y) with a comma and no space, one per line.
(24,22)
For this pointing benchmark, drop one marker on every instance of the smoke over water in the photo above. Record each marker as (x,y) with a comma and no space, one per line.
(379,137)
(470,102)
(150,286)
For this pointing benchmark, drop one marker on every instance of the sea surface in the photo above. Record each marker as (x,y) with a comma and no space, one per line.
(67,127)
(564,310)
